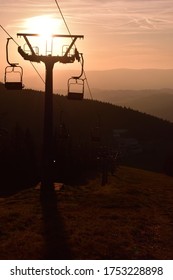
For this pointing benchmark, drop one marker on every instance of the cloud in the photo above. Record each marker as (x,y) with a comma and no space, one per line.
(121,16)
(110,16)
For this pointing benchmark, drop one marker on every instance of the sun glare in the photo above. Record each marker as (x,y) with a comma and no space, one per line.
(44,25)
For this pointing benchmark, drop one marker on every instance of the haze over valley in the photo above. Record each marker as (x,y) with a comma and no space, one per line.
(146,90)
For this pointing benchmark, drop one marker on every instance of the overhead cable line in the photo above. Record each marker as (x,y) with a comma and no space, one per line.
(9,35)
(18,46)
(70,35)
(63,17)
(37,72)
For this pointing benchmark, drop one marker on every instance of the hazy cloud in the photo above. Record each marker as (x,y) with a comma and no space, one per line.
(110,15)
(122,16)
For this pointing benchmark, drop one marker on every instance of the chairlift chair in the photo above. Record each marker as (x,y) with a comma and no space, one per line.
(63,132)
(65,48)
(76,83)
(14,71)
(14,84)
(95,135)
(28,51)
(75,88)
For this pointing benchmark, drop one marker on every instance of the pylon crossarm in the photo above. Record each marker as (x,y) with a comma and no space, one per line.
(66,58)
(54,35)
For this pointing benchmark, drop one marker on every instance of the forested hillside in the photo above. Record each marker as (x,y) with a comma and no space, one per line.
(75,123)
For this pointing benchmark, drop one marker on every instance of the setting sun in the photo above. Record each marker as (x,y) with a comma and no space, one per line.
(44,25)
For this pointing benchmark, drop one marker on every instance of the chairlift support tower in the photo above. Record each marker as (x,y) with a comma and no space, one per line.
(49,61)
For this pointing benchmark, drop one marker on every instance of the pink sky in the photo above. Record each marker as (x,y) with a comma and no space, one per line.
(117,33)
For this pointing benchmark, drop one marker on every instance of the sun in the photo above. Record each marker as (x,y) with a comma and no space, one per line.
(44,25)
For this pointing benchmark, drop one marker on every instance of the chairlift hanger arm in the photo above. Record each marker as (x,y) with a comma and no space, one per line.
(11,64)
(82,68)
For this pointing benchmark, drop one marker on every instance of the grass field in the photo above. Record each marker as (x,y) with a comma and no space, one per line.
(129,218)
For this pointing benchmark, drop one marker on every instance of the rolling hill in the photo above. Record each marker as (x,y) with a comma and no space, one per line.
(21,121)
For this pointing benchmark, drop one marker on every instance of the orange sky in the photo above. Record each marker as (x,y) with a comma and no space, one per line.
(117,33)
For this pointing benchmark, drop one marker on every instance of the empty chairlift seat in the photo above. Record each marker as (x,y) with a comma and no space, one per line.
(13,78)
(75,89)
(95,134)
(14,85)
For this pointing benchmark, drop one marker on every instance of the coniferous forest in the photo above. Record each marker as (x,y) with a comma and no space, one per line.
(84,132)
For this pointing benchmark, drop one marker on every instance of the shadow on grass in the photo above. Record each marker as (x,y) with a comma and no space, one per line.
(11,186)
(56,246)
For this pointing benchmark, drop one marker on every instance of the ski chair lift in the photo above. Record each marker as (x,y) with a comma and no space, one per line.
(17,73)
(63,131)
(65,48)
(13,74)
(76,84)
(95,134)
(35,48)
(75,88)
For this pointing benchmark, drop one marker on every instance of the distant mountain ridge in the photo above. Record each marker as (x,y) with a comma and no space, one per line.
(131,79)
(146,90)
(158,103)
(115,79)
